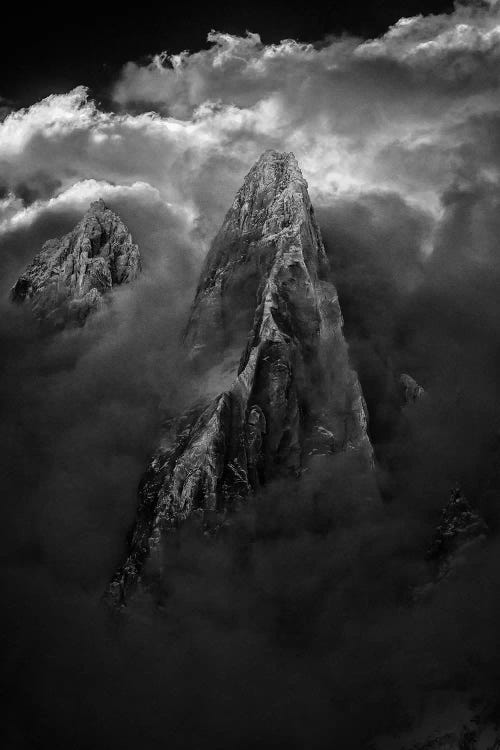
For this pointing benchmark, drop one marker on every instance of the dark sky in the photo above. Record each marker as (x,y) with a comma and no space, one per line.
(50,49)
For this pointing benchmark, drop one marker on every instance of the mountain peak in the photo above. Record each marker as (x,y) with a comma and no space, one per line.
(68,278)
(273,189)
(286,161)
(98,205)
(271,213)
(263,295)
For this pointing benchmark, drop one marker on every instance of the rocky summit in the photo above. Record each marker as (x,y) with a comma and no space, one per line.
(291,400)
(69,277)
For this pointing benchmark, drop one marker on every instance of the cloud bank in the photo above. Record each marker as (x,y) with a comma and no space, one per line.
(406,112)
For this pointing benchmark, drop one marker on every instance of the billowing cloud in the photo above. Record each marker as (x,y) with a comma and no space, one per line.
(399,113)
(452,49)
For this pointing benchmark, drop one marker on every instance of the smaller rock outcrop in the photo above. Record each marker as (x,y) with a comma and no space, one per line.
(411,391)
(460,527)
(68,278)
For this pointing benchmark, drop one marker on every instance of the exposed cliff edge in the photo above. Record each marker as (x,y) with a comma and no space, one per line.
(292,400)
(68,278)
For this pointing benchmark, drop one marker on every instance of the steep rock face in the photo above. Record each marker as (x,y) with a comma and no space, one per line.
(292,399)
(69,277)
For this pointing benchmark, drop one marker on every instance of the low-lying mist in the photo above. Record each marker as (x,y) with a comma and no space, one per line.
(295,625)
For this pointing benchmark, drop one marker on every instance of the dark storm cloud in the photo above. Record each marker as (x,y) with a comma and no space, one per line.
(295,628)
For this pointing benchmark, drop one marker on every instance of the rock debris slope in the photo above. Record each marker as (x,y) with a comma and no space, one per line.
(69,277)
(292,400)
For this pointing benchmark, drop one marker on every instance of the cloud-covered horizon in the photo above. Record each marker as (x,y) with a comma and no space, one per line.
(413,112)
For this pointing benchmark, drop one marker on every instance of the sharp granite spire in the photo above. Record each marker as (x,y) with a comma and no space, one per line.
(293,399)
(270,214)
(69,277)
